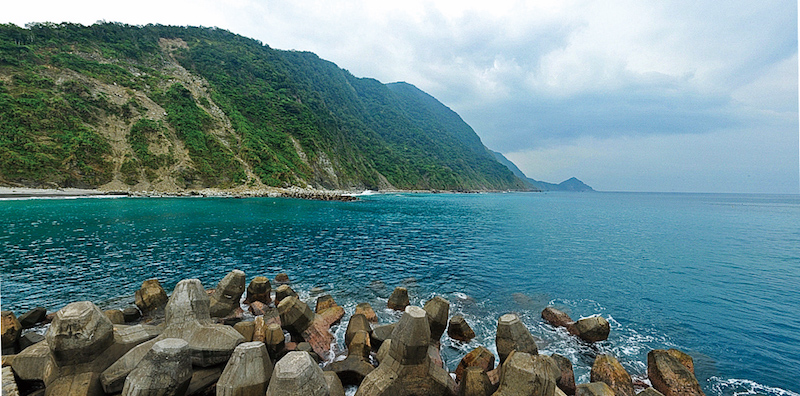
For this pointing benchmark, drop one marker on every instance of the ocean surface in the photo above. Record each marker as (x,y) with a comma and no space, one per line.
(717,276)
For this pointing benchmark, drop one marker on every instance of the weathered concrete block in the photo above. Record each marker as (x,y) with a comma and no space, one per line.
(296,316)
(512,335)
(594,389)
(282,292)
(669,376)
(296,374)
(10,328)
(32,317)
(324,302)
(225,298)
(366,310)
(260,290)
(189,303)
(475,382)
(115,316)
(165,370)
(131,314)
(525,374)
(247,372)
(592,329)
(9,384)
(79,333)
(358,322)
(438,310)
(459,329)
(380,334)
(398,301)
(606,368)
(566,379)
(29,339)
(479,357)
(335,387)
(355,367)
(246,329)
(35,363)
(281,279)
(151,297)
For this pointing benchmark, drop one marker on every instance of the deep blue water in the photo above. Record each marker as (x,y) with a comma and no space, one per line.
(714,275)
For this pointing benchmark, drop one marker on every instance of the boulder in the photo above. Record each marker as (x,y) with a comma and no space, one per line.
(682,357)
(669,376)
(281,279)
(115,316)
(407,368)
(556,318)
(512,335)
(526,374)
(10,329)
(247,372)
(296,316)
(259,290)
(438,310)
(592,329)
(225,298)
(297,374)
(282,292)
(380,334)
(458,329)
(79,333)
(398,301)
(151,297)
(366,310)
(475,382)
(607,368)
(353,369)
(324,302)
(479,357)
(594,389)
(32,317)
(165,370)
(131,314)
(29,339)
(358,322)
(566,381)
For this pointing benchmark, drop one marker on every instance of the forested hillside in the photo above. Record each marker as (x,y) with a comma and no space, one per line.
(174,108)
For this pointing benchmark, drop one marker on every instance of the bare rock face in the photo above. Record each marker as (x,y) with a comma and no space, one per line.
(607,368)
(438,310)
(525,374)
(79,333)
(296,316)
(593,329)
(512,335)
(459,329)
(225,298)
(259,290)
(407,368)
(594,389)
(566,381)
(247,372)
(366,310)
(296,374)
(164,371)
(479,357)
(398,301)
(669,376)
(151,297)
(556,318)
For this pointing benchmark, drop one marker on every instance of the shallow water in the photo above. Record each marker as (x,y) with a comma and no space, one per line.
(714,275)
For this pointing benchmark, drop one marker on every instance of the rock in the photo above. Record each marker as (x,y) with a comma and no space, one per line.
(669,376)
(324,302)
(115,316)
(79,332)
(407,368)
(366,310)
(259,290)
(9,384)
(151,297)
(29,339)
(682,357)
(475,382)
(281,279)
(438,310)
(275,340)
(479,357)
(513,335)
(566,381)
(247,372)
(226,296)
(32,317)
(398,301)
(380,334)
(458,329)
(335,387)
(296,316)
(131,314)
(650,391)
(556,318)
(594,389)
(282,292)
(164,371)
(246,329)
(593,329)
(358,322)
(607,368)
(353,369)
(296,374)
(10,328)
(525,374)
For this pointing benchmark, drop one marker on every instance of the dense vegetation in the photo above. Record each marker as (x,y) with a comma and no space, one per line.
(285,117)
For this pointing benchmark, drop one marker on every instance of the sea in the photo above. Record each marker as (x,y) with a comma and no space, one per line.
(714,275)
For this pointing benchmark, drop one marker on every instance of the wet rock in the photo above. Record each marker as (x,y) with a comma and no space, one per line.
(259,290)
(513,335)
(32,317)
(225,298)
(115,316)
(247,372)
(79,333)
(594,389)
(131,314)
(592,329)
(459,329)
(556,318)
(479,357)
(607,368)
(324,302)
(407,368)
(525,374)
(366,310)
(151,297)
(246,329)
(566,381)
(165,370)
(296,316)
(358,322)
(297,374)
(9,384)
(29,339)
(475,382)
(682,357)
(282,292)
(10,329)
(353,369)
(669,376)
(398,301)
(438,310)
(281,279)
(380,334)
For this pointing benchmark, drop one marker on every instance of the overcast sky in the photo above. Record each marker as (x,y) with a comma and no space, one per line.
(686,96)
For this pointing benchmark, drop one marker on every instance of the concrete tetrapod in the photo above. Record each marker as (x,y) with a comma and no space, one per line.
(407,368)
(607,368)
(356,366)
(260,290)
(438,310)
(669,376)
(512,335)
(247,373)
(297,374)
(165,370)
(225,298)
(151,297)
(525,374)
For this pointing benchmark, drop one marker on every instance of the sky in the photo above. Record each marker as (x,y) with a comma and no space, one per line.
(629,95)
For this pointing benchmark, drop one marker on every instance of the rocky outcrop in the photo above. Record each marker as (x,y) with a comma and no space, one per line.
(248,371)
(525,374)
(398,301)
(296,374)
(669,376)
(151,297)
(606,368)
(512,335)
(458,329)
(225,298)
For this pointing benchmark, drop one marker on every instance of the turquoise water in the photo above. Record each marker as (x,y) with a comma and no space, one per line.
(714,275)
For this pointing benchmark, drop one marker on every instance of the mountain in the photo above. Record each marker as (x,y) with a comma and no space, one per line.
(571,184)
(172,108)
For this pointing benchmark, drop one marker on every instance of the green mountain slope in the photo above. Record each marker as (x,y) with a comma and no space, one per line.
(172,108)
